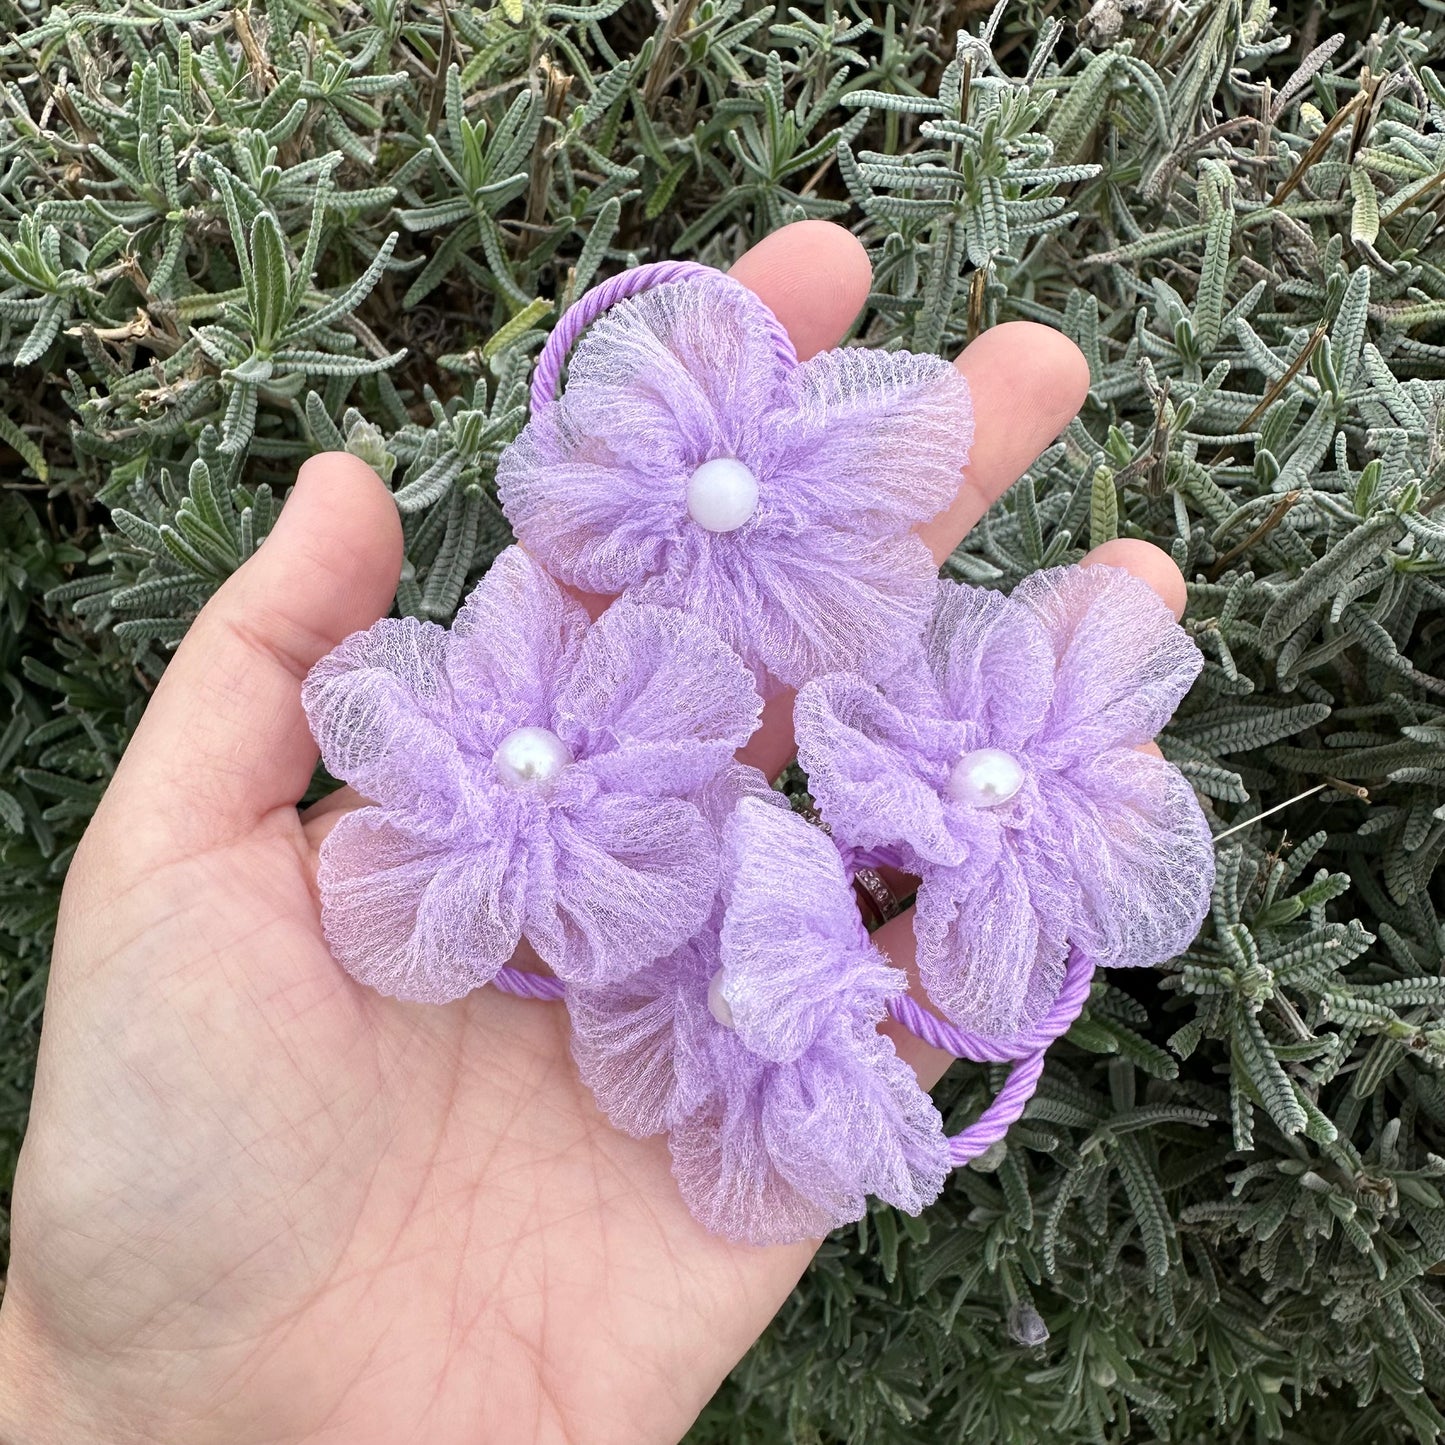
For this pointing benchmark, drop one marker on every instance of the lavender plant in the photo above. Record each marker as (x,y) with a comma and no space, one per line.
(231,236)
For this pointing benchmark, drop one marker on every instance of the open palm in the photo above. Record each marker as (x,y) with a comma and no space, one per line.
(258,1202)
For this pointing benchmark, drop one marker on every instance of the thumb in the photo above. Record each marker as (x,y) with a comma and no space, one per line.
(224,740)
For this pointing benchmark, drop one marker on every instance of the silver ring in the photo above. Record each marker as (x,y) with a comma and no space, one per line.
(878,898)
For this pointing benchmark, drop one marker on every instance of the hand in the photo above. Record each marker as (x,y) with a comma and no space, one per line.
(260,1203)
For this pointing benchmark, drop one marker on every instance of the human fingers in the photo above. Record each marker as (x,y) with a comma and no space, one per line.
(1027,382)
(813,276)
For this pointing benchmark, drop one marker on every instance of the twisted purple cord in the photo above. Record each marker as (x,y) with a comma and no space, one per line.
(588,307)
(1007,1107)
(1028,1049)
(541,986)
(961,1043)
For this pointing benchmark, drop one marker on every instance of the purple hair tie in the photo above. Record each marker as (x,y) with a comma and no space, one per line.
(694,462)
(577,318)
(535,775)
(1026,1054)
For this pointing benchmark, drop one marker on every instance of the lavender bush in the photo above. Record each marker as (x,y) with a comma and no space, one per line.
(233,235)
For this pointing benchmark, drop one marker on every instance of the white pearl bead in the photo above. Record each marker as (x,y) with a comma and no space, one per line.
(530,757)
(717,1003)
(722,495)
(985,778)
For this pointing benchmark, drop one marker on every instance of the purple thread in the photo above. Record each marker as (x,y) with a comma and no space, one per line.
(540,986)
(582,313)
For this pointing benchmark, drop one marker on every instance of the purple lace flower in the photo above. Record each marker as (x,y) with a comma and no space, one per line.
(531,777)
(755,1047)
(1002,767)
(690,463)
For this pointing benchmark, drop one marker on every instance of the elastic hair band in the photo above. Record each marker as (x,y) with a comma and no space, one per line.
(578,317)
(1026,1052)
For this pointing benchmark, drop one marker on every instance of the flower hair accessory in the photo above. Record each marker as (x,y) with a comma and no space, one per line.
(756,1049)
(533,775)
(1000,764)
(693,461)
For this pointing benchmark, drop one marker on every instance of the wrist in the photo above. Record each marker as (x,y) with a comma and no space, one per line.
(43,1400)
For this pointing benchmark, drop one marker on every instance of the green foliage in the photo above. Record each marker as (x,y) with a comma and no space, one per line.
(232,237)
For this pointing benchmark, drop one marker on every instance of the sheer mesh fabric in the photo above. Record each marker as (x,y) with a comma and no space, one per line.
(604,867)
(755,1048)
(1102,847)
(850,450)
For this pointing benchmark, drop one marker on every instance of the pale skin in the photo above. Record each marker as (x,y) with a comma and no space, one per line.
(259,1203)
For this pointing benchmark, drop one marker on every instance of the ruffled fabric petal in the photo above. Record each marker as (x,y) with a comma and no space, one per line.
(865,440)
(851,1121)
(800,604)
(992,944)
(635,877)
(383,713)
(656,701)
(649,1047)
(718,799)
(514,643)
(1123,662)
(708,577)
(875,773)
(993,663)
(834,601)
(1133,837)
(596,484)
(624,1042)
(794,951)
(788,1152)
(413,917)
(729,1180)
